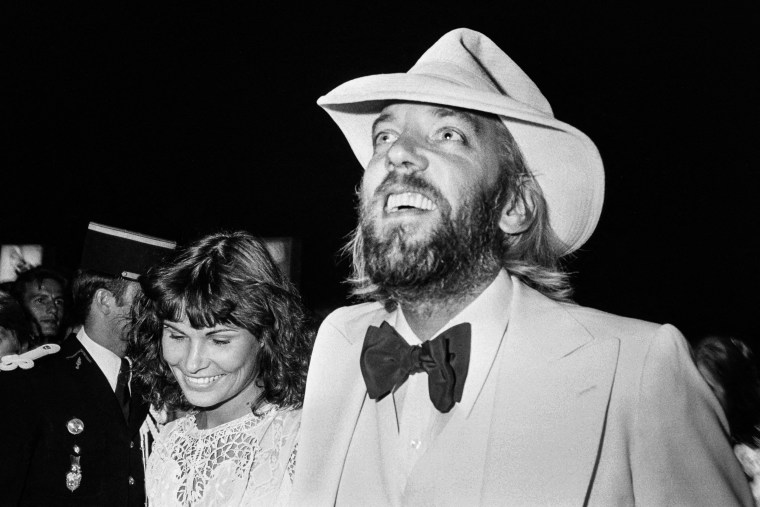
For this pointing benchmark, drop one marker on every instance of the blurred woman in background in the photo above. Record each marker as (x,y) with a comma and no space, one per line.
(728,365)
(15,331)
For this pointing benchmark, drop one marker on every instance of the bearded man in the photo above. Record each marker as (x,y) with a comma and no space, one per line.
(469,377)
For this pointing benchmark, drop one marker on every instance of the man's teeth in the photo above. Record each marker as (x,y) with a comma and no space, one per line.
(202,381)
(409,200)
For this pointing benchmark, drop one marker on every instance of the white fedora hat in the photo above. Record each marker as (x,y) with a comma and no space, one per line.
(466,69)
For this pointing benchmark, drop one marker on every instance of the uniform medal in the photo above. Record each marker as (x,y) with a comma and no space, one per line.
(74,476)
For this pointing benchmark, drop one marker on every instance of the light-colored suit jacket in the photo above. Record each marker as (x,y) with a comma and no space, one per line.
(586,408)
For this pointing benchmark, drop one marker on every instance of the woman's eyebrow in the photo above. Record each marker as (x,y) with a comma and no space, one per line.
(221,330)
(172,327)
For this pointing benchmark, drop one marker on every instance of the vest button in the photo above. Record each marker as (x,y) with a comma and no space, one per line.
(131,481)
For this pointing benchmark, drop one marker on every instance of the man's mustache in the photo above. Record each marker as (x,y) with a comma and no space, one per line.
(411,183)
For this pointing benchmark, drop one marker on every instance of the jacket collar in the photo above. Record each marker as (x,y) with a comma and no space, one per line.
(543,324)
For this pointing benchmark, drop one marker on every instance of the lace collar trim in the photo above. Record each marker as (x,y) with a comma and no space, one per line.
(192,426)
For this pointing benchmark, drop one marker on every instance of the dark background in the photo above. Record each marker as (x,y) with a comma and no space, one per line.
(177,119)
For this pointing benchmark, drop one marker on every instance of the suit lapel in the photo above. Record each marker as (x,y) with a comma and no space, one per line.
(552,394)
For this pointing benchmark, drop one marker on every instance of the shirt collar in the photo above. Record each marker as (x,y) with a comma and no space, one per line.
(488,315)
(108,362)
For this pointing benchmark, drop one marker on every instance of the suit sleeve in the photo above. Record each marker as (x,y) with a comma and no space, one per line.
(17,434)
(334,394)
(680,451)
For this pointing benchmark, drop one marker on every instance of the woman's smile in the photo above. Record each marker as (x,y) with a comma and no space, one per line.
(201,381)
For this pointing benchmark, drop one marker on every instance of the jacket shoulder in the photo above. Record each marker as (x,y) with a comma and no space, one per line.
(641,341)
(351,322)
(597,320)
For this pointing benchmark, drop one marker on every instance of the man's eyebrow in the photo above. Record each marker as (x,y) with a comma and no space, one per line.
(469,118)
(383,117)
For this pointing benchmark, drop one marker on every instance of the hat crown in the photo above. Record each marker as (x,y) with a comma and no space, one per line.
(121,253)
(472,60)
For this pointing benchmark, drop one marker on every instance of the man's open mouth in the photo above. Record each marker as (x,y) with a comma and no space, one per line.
(408,201)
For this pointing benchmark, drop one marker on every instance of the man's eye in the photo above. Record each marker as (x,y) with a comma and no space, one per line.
(175,336)
(221,342)
(385,138)
(451,135)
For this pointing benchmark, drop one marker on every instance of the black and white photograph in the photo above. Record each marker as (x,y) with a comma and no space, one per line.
(379,254)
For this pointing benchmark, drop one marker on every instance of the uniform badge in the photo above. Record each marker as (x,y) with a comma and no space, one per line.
(78,355)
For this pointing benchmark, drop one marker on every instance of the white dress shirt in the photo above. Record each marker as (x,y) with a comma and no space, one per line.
(108,362)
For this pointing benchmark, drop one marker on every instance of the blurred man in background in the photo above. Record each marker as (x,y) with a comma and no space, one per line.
(43,294)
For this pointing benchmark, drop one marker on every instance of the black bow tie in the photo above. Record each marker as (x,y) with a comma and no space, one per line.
(387,360)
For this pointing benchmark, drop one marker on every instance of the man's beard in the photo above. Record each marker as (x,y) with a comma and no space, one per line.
(461,254)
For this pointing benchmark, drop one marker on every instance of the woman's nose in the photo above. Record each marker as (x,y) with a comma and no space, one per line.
(195,360)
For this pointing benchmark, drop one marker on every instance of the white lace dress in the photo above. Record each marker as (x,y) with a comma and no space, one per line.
(248,461)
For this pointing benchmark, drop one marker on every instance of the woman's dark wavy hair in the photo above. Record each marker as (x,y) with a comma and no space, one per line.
(731,363)
(223,278)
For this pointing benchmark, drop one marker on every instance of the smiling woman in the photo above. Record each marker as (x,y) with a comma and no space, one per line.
(220,333)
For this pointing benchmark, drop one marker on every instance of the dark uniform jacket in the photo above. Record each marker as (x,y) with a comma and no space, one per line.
(37,444)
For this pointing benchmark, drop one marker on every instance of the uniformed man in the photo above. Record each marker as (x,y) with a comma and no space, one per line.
(69,431)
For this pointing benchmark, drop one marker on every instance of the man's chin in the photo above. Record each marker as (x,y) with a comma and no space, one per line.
(410,235)
(49,330)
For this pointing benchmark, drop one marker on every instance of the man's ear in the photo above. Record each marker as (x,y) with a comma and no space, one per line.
(514,217)
(103,300)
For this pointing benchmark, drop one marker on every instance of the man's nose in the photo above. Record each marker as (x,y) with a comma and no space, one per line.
(51,308)
(406,154)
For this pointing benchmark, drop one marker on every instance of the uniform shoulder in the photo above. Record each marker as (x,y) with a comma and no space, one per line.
(19,385)
(33,362)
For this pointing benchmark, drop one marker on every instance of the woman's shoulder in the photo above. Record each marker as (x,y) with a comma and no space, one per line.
(278,424)
(288,416)
(178,424)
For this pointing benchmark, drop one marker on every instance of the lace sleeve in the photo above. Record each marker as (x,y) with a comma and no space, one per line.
(272,478)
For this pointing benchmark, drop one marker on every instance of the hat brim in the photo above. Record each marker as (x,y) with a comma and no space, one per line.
(564,161)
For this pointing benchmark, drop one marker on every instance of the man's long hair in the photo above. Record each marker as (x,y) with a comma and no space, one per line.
(533,256)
